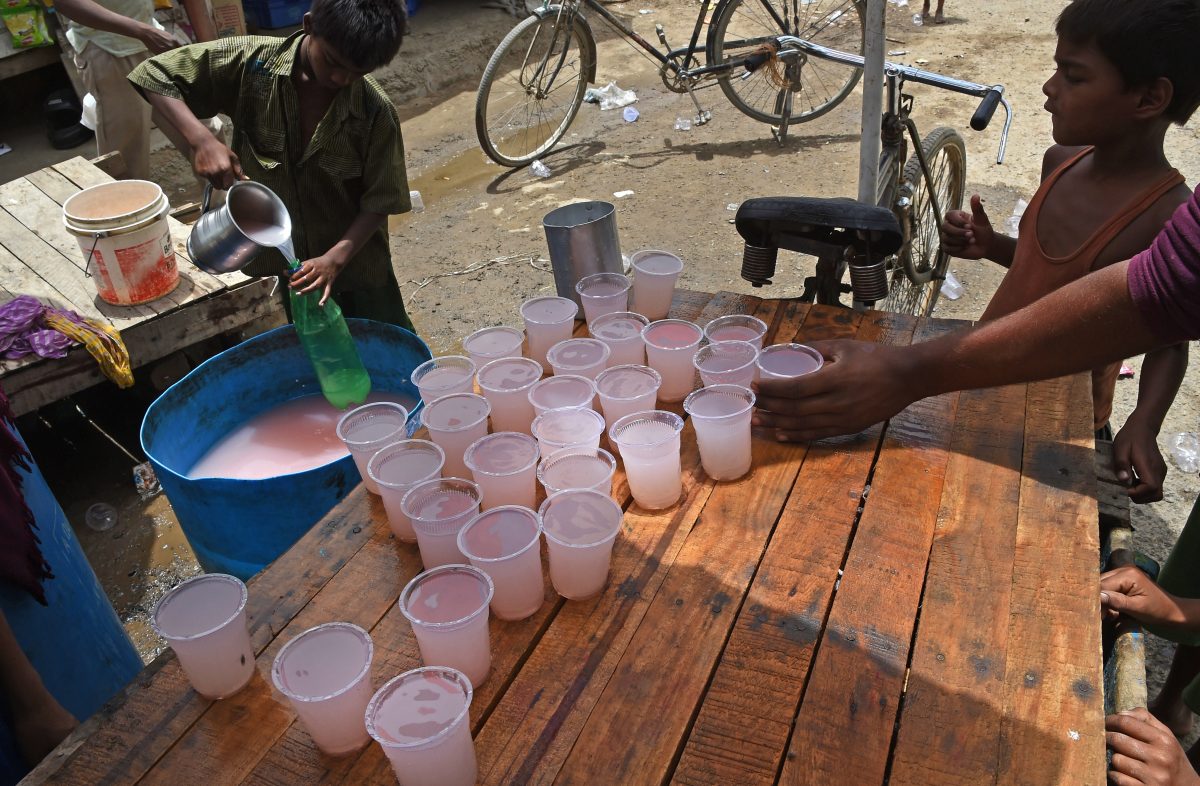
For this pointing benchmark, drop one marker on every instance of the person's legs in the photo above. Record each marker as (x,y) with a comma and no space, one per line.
(122,116)
(939,18)
(383,303)
(1171,706)
(1179,577)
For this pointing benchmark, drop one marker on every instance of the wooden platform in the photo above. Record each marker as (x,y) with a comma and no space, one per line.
(915,604)
(39,257)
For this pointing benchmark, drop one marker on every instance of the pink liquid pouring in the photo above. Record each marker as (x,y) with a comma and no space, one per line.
(296,436)
(420,720)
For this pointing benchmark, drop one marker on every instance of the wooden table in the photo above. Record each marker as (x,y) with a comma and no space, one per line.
(916,604)
(39,257)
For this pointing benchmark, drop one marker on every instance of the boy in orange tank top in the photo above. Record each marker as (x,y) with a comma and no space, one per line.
(1126,69)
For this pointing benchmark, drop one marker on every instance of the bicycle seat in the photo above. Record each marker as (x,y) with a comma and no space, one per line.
(786,222)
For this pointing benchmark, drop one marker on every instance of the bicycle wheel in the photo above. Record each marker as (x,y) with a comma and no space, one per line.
(739,27)
(532,87)
(916,280)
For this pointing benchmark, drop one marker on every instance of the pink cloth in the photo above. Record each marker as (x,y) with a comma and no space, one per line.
(23,333)
(1164,280)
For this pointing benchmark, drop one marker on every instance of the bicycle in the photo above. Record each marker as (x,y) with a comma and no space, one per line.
(536,79)
(892,247)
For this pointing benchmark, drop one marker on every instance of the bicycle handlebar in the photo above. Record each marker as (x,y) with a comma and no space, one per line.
(992,95)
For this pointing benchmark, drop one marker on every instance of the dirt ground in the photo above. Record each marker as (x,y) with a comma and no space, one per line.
(479,214)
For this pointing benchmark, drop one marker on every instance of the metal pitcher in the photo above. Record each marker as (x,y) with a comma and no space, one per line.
(583,240)
(226,238)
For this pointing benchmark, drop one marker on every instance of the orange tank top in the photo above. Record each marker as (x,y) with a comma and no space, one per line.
(1034,273)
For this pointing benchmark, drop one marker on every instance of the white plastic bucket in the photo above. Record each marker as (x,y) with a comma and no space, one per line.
(125,239)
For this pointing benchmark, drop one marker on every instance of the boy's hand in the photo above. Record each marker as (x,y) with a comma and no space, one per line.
(1139,462)
(968,235)
(157,41)
(1145,752)
(318,273)
(1129,591)
(215,162)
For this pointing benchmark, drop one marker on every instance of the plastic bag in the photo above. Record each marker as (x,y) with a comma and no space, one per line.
(952,288)
(612,97)
(27,27)
(1185,451)
(1012,224)
(539,169)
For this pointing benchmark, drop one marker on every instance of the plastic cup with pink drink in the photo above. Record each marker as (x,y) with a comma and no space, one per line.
(649,445)
(568,390)
(204,621)
(671,344)
(788,361)
(505,543)
(504,465)
(584,357)
(398,467)
(447,607)
(420,719)
(654,277)
(454,422)
(366,429)
(727,363)
(627,389)
(580,527)
(577,468)
(603,293)
(721,416)
(622,332)
(736,327)
(438,509)
(505,384)
(443,376)
(568,427)
(548,320)
(492,343)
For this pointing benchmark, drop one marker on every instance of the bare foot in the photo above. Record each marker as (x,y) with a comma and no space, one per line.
(938,19)
(1174,714)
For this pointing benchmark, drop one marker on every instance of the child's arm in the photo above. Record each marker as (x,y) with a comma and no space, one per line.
(970,236)
(1135,449)
(319,272)
(212,159)
(1145,752)
(92,14)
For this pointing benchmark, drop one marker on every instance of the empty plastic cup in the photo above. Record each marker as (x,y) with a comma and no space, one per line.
(568,427)
(580,527)
(721,416)
(568,390)
(204,621)
(325,672)
(505,543)
(438,510)
(398,467)
(492,343)
(649,445)
(442,376)
(366,429)
(727,363)
(448,609)
(504,465)
(788,361)
(654,277)
(622,332)
(671,344)
(505,384)
(577,468)
(454,422)
(603,293)
(624,390)
(583,357)
(737,327)
(421,721)
(548,320)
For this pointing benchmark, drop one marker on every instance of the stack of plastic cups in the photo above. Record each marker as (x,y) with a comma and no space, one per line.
(603,293)
(583,357)
(649,445)
(366,429)
(671,344)
(565,391)
(624,390)
(568,427)
(721,416)
(577,468)
(398,467)
(325,672)
(622,332)
(204,621)
(438,509)
(492,343)
(504,465)
(580,527)
(654,277)
(548,320)
(444,376)
(454,422)
(727,363)
(505,384)
(504,543)
(421,721)
(448,609)
(736,327)
(788,361)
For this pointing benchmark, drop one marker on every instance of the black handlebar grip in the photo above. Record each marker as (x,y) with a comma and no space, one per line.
(987,108)
(752,62)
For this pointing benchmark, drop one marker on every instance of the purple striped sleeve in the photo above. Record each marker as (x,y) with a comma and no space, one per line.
(1164,280)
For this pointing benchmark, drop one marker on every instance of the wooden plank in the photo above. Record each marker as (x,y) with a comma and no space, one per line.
(53,184)
(743,726)
(1053,727)
(111,164)
(950,726)
(688,304)
(849,708)
(42,216)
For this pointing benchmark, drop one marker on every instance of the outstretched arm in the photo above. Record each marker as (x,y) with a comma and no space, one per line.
(92,14)
(1139,462)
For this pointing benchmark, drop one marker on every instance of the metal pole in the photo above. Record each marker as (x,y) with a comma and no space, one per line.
(872,105)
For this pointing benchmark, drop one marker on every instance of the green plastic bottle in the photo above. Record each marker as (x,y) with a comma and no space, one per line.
(326,338)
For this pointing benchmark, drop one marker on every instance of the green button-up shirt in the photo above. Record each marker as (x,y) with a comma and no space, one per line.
(354,162)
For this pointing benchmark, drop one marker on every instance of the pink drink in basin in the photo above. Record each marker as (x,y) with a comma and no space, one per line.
(204,621)
(585,357)
(438,509)
(295,436)
(737,327)
(562,391)
(398,467)
(622,332)
(580,527)
(505,384)
(448,609)
(325,672)
(548,320)
(504,543)
(504,465)
(671,344)
(788,361)
(627,389)
(420,720)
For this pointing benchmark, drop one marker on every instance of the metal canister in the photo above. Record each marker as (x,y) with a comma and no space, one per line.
(225,239)
(583,240)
